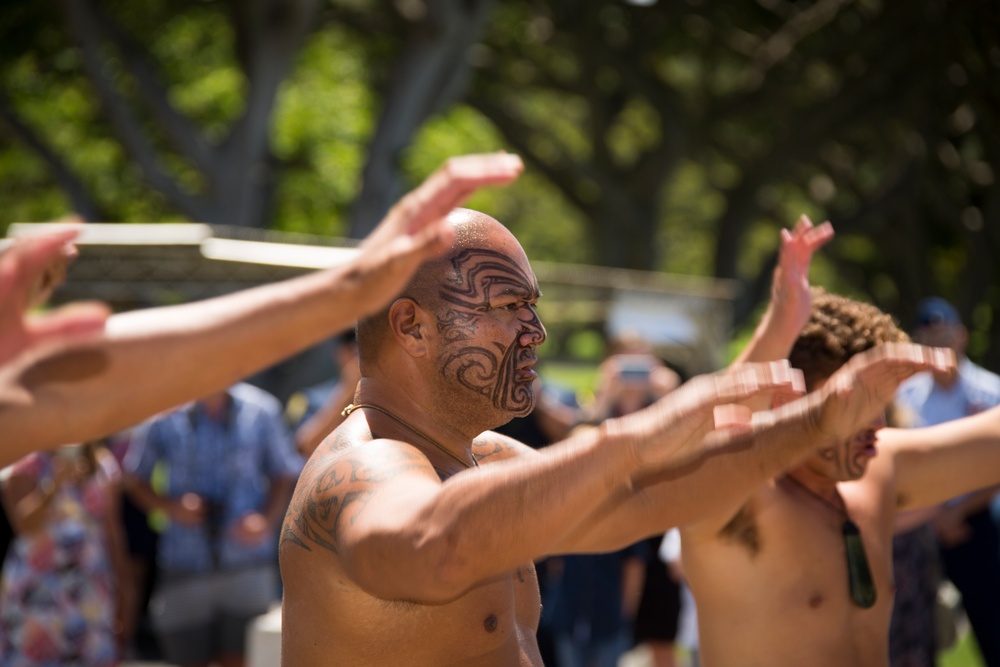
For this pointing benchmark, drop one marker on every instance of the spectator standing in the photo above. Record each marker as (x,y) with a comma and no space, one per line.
(687,622)
(967,535)
(64,589)
(316,411)
(230,467)
(594,604)
(631,378)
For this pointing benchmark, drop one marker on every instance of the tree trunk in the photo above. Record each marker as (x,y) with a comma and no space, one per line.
(431,72)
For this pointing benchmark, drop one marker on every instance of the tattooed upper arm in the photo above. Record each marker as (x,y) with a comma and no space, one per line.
(491,447)
(336,486)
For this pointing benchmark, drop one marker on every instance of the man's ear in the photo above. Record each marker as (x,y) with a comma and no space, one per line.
(410,325)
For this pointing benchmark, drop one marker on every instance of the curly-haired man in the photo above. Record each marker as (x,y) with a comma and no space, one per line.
(799,572)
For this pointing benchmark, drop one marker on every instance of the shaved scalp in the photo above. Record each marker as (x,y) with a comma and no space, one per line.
(472,230)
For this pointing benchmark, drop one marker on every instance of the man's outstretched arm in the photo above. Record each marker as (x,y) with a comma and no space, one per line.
(74,383)
(732,464)
(383,504)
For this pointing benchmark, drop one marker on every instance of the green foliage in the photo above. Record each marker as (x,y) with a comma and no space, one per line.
(322,124)
(545,225)
(678,136)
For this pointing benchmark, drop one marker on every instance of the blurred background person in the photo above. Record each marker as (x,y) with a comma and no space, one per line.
(687,621)
(915,635)
(315,411)
(967,534)
(594,600)
(229,467)
(597,598)
(658,615)
(64,591)
(140,540)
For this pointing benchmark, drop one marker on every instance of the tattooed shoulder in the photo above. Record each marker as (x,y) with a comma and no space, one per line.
(335,487)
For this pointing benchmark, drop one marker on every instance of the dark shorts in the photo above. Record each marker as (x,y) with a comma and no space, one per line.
(659,607)
(198,617)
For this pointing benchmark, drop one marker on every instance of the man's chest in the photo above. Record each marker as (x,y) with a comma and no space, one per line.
(797,552)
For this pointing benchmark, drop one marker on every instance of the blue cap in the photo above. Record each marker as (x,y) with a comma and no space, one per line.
(935,310)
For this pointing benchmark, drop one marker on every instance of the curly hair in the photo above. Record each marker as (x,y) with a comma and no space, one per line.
(838,328)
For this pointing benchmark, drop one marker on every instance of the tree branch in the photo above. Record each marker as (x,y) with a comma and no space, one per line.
(563,172)
(184,134)
(83,25)
(431,72)
(83,204)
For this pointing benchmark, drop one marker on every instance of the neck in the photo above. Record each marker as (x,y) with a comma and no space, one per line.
(422,407)
(416,410)
(819,485)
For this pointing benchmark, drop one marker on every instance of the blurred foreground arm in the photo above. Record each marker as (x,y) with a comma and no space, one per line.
(62,380)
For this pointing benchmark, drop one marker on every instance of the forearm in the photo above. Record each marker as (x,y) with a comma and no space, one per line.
(30,512)
(709,490)
(773,338)
(277,500)
(938,463)
(152,360)
(142,494)
(309,436)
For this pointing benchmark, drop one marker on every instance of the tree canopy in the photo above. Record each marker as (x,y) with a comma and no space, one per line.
(671,136)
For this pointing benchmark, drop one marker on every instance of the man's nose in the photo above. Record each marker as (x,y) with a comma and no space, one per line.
(533,334)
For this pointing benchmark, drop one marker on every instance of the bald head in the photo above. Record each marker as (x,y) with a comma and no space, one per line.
(482,245)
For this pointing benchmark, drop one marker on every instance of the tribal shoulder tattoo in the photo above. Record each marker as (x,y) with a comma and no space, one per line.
(334,488)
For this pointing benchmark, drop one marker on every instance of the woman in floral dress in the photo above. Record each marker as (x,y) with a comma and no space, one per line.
(60,599)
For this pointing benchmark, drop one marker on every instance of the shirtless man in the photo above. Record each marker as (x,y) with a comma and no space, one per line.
(770,573)
(412,531)
(74,374)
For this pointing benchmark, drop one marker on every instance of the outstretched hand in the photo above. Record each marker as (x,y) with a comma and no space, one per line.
(790,297)
(416,228)
(30,268)
(671,432)
(865,385)
(791,300)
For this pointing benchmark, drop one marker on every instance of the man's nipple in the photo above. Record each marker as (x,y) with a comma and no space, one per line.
(491,623)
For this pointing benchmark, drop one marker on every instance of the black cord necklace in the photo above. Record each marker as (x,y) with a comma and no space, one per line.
(859,576)
(352,407)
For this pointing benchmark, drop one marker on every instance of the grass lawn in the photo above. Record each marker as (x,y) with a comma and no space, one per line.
(965,653)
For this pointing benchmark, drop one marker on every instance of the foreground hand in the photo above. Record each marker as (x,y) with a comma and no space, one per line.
(30,268)
(865,385)
(671,431)
(416,230)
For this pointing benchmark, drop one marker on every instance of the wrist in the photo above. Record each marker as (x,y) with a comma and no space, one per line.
(618,437)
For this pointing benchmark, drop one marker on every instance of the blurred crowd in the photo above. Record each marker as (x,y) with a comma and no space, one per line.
(160,542)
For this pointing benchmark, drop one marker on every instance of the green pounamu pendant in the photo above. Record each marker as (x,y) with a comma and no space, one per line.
(859,575)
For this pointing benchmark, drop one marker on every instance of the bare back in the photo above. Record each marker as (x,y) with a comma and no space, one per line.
(772,587)
(328,619)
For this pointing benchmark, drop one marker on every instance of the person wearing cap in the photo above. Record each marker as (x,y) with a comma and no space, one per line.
(968,538)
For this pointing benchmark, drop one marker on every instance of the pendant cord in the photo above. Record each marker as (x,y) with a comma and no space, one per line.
(861,585)
(399,420)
